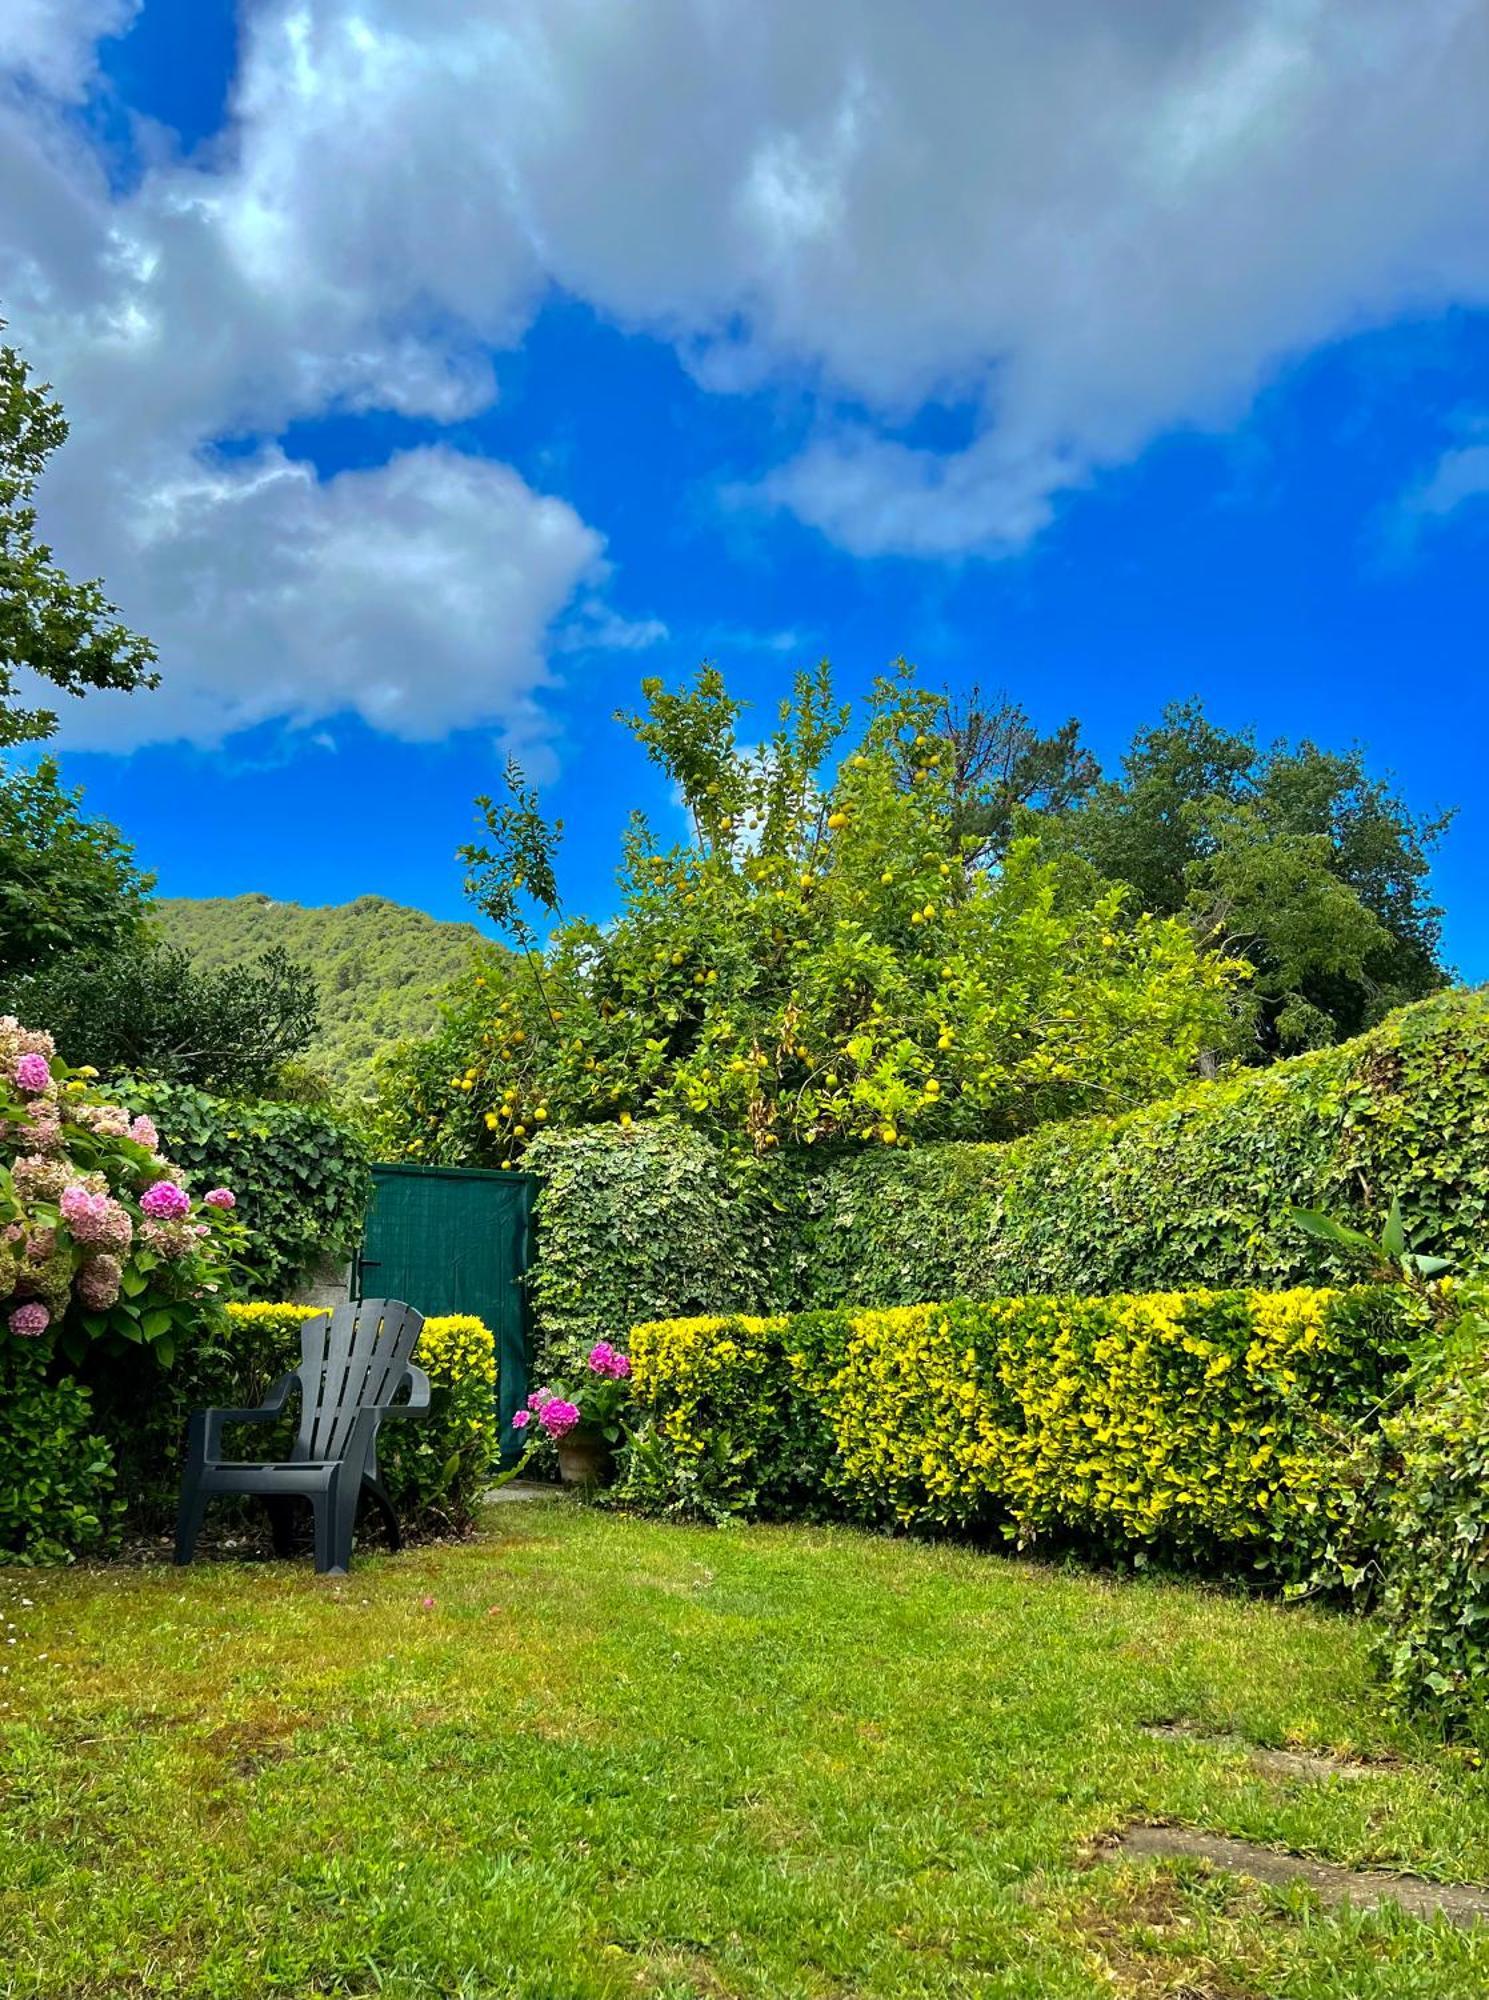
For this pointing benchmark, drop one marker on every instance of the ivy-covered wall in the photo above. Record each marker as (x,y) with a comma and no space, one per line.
(301,1179)
(1193,1190)
(638,1222)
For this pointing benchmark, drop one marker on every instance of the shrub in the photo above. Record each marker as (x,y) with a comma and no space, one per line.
(301,1177)
(56,1475)
(1193,1190)
(99,1239)
(1434,1549)
(435,1467)
(635,1223)
(1210,1428)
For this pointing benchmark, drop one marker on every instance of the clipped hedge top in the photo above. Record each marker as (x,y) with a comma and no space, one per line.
(1193,1189)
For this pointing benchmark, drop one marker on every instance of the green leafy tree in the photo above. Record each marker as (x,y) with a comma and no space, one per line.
(820,964)
(59,631)
(67,883)
(1003,769)
(1293,858)
(148,1011)
(378,968)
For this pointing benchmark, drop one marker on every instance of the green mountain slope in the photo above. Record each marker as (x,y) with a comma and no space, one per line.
(378,966)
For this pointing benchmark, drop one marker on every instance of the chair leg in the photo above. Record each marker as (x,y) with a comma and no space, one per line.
(189,1520)
(335,1520)
(281,1524)
(384,1505)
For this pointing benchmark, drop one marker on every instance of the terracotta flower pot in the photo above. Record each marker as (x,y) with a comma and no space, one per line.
(585,1457)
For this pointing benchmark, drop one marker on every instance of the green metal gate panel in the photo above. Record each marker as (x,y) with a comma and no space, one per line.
(456,1240)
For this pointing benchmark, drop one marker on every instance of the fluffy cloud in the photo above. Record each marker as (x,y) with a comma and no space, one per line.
(1083,224)
(1088,223)
(416,594)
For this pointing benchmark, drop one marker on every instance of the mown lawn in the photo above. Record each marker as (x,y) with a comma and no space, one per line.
(594,1756)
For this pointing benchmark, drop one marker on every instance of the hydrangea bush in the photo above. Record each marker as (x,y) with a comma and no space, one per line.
(597,1400)
(100,1238)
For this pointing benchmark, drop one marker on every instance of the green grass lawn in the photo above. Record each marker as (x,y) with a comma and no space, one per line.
(593,1756)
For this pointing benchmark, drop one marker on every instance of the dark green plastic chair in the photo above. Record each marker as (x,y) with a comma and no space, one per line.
(353,1366)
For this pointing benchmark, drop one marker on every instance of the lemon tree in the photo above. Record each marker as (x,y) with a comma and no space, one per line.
(822,964)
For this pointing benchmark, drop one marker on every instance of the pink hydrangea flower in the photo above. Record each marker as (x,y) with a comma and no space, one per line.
(557,1417)
(33,1073)
(30,1319)
(521,1420)
(609,1361)
(171,1240)
(538,1398)
(142,1131)
(98,1282)
(96,1218)
(164,1201)
(220,1198)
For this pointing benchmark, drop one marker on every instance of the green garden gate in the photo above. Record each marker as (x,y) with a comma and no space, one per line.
(456,1240)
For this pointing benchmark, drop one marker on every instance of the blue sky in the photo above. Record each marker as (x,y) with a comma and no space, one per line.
(440,451)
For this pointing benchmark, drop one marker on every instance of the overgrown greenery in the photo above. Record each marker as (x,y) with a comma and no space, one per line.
(301,1177)
(67,883)
(57,1473)
(1293,857)
(149,1011)
(1202,1428)
(821,965)
(62,632)
(1433,1543)
(597,1757)
(1196,1189)
(638,1222)
(377,968)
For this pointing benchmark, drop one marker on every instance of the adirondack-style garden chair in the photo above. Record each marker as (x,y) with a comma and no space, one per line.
(353,1364)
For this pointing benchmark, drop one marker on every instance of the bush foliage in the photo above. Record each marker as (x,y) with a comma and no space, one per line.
(435,1467)
(1433,1546)
(636,1223)
(56,1472)
(1210,1428)
(300,1175)
(1193,1190)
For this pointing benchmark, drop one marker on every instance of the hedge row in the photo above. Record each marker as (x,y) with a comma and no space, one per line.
(1190,1191)
(652,1221)
(1204,1427)
(301,1178)
(635,1222)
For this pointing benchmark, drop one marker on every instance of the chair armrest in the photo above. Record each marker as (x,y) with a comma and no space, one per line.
(204,1439)
(418,1395)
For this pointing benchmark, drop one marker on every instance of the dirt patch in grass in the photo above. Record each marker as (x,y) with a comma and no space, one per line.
(1270,1762)
(1142,1938)
(1365,1888)
(246,1747)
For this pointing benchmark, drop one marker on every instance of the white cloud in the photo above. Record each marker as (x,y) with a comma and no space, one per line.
(1086,223)
(416,595)
(1459,475)
(51,43)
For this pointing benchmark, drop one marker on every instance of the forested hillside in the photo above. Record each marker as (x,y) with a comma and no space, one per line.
(378,965)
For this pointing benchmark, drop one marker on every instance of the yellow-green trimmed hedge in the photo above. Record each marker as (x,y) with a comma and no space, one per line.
(436,1467)
(1207,1427)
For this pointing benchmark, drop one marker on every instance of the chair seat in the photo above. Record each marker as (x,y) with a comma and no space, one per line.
(234,1475)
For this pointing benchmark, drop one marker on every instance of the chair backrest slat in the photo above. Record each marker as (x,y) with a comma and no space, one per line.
(351,1361)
